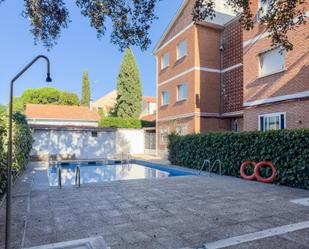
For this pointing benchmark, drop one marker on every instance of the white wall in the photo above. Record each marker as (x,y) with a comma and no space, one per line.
(81,145)
(130,140)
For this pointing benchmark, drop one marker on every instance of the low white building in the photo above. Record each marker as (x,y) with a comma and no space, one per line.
(72,132)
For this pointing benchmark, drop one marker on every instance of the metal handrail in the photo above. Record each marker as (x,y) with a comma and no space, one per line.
(59,178)
(203,165)
(210,167)
(129,158)
(77,176)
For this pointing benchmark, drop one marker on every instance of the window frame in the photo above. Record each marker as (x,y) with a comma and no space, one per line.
(178,57)
(180,127)
(162,61)
(261,56)
(164,131)
(268,115)
(177,92)
(162,98)
(94,134)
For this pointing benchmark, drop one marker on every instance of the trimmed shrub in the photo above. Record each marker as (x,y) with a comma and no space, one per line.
(148,123)
(287,149)
(22,144)
(117,122)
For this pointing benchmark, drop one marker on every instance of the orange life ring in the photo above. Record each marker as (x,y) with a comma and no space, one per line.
(242,170)
(257,172)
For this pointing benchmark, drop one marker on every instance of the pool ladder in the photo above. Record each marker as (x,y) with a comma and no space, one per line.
(77,177)
(127,160)
(210,167)
(59,177)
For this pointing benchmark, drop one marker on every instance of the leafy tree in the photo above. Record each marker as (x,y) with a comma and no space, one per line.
(2,110)
(129,88)
(44,95)
(131,19)
(85,90)
(18,105)
(281,17)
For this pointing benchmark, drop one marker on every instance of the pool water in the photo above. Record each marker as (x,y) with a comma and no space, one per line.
(104,173)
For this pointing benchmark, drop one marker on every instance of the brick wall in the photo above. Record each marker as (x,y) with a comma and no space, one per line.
(183,21)
(232,82)
(297,114)
(293,79)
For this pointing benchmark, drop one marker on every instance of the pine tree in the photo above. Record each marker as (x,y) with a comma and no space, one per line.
(129,88)
(85,90)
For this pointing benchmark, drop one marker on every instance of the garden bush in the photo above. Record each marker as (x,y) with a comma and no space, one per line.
(117,122)
(148,124)
(22,144)
(287,149)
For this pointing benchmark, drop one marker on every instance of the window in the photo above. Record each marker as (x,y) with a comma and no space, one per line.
(182,92)
(271,62)
(164,135)
(272,121)
(94,134)
(263,8)
(182,129)
(235,125)
(165,61)
(181,49)
(165,98)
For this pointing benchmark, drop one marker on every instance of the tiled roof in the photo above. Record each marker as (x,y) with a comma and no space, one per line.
(61,112)
(150,99)
(151,117)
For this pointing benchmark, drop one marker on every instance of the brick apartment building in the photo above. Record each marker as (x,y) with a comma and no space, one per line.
(212,76)
(196,62)
(276,85)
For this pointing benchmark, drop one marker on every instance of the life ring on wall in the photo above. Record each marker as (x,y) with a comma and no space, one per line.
(257,172)
(242,170)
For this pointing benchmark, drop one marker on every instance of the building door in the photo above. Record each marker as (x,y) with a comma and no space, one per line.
(150,142)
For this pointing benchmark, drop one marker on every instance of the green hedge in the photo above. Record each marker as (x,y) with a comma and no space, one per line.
(287,149)
(148,123)
(116,122)
(22,144)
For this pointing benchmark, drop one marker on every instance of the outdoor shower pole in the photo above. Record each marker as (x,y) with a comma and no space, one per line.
(10,142)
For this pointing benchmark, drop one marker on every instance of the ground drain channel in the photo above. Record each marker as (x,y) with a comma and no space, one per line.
(89,243)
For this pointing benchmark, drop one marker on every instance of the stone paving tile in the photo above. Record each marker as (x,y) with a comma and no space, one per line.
(172,213)
(301,236)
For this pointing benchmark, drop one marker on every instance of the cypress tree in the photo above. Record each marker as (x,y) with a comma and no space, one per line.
(85,90)
(129,88)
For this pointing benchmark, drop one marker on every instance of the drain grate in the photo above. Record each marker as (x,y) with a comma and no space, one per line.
(303,201)
(89,243)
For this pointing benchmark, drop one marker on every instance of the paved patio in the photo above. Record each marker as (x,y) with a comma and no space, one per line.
(174,212)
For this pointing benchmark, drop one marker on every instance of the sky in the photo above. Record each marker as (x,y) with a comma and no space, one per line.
(78,49)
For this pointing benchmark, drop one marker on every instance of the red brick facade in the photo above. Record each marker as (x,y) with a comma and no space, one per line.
(211,105)
(283,91)
(222,72)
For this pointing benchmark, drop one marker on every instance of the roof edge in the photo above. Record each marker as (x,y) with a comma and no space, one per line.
(180,9)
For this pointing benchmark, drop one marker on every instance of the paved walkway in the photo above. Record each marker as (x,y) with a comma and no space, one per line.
(176,212)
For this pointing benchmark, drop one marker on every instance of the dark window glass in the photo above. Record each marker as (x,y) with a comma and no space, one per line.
(282,121)
(262,123)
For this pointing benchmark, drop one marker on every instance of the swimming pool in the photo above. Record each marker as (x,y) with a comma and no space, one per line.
(99,172)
